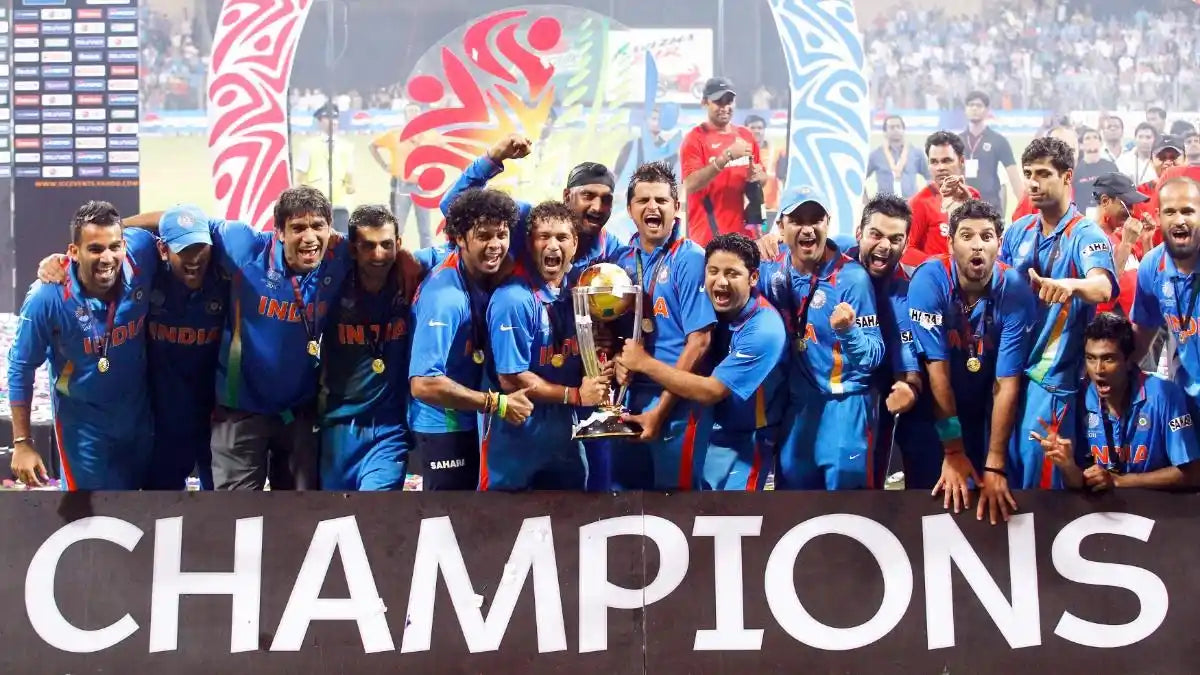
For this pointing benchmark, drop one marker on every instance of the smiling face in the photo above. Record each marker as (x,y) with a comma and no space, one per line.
(720,111)
(552,244)
(881,242)
(805,231)
(189,265)
(653,210)
(592,205)
(728,282)
(484,247)
(305,238)
(375,250)
(100,253)
(975,245)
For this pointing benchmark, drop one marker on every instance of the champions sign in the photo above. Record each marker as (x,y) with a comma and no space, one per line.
(848,582)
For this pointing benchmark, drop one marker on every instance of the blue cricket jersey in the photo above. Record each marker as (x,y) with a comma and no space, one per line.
(1076,247)
(449,325)
(74,331)
(674,299)
(264,364)
(364,327)
(477,175)
(997,326)
(1155,432)
(753,367)
(891,302)
(1167,297)
(829,362)
(530,323)
(184,339)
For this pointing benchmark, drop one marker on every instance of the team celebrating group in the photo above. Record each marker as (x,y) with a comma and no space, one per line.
(307,359)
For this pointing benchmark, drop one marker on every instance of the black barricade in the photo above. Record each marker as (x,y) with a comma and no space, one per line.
(569,583)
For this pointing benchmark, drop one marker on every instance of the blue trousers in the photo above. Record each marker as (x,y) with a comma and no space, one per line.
(178,450)
(1027,465)
(538,455)
(364,453)
(829,443)
(673,462)
(102,449)
(740,460)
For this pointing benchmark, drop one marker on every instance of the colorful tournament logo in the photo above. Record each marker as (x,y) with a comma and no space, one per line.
(818,300)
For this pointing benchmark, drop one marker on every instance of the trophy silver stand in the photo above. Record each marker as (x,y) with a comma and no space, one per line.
(606,421)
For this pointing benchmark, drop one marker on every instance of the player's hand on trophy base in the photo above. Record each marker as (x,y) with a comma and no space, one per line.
(842,318)
(593,391)
(650,421)
(53,269)
(512,146)
(519,407)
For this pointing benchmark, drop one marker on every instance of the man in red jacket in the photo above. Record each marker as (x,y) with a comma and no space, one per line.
(932,206)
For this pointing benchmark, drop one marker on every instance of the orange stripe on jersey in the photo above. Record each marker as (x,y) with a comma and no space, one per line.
(62,384)
(835,376)
(484,478)
(68,476)
(689,447)
(755,467)
(760,408)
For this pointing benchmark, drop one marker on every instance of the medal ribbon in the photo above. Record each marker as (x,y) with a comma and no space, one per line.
(478,307)
(375,341)
(558,331)
(109,323)
(653,273)
(800,314)
(1054,252)
(1184,317)
(1119,464)
(310,327)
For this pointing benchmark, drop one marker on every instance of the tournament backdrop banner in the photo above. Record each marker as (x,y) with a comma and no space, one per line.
(875,582)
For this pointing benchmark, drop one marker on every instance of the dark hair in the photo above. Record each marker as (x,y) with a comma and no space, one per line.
(1182,128)
(889,118)
(93,213)
(1060,155)
(653,172)
(1146,126)
(371,216)
(479,206)
(976,209)
(737,244)
(939,138)
(978,96)
(301,200)
(1109,326)
(888,205)
(750,119)
(1113,117)
(550,211)
(1161,112)
(1084,131)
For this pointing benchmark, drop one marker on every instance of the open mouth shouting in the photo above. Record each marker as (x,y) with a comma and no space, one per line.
(592,220)
(807,243)
(491,260)
(309,254)
(879,262)
(976,266)
(722,298)
(552,263)
(1181,235)
(1103,387)
(191,271)
(656,228)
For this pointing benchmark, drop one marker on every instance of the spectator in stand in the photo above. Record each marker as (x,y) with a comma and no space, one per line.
(1091,166)
(1136,162)
(1191,148)
(947,190)
(1157,118)
(1114,138)
(987,150)
(896,164)
(719,158)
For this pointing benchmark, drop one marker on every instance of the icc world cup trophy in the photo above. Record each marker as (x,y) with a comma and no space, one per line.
(603,294)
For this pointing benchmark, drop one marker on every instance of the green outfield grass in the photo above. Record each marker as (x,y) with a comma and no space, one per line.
(169,178)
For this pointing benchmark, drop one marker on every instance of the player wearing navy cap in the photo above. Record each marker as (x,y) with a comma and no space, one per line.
(677,326)
(1069,262)
(531,323)
(1138,431)
(364,365)
(970,316)
(92,329)
(746,385)
(450,344)
(828,304)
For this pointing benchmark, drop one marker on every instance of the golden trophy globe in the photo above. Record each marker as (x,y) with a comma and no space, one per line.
(603,294)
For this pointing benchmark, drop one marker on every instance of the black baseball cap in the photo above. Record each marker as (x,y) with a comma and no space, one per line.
(717,87)
(1168,142)
(327,111)
(1118,186)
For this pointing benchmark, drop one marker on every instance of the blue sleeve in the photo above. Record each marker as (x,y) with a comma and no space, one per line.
(753,353)
(512,320)
(1182,444)
(232,240)
(927,307)
(1017,313)
(697,311)
(142,248)
(1146,310)
(1008,241)
(435,321)
(476,175)
(899,334)
(863,343)
(35,330)
(1094,252)
(431,256)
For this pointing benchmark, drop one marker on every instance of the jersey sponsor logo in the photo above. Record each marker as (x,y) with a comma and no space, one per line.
(284,310)
(1092,249)
(139,294)
(906,336)
(120,335)
(184,335)
(448,464)
(504,328)
(819,299)
(1181,422)
(742,355)
(273,278)
(868,321)
(927,320)
(356,334)
(664,274)
(1093,420)
(1143,422)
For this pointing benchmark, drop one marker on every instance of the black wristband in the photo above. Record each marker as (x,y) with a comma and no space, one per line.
(998,472)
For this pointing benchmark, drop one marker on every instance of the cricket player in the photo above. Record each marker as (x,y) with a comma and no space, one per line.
(677,328)
(1168,287)
(828,304)
(881,239)
(92,329)
(970,316)
(1139,433)
(746,385)
(531,324)
(450,345)
(363,402)
(1069,262)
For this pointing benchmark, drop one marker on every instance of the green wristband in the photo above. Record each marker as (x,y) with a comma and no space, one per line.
(948,429)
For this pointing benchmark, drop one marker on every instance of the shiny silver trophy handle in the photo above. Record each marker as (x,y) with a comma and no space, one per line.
(606,421)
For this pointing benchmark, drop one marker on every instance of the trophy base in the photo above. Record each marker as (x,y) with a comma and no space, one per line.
(605,423)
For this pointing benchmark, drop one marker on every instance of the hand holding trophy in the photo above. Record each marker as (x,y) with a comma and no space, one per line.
(603,294)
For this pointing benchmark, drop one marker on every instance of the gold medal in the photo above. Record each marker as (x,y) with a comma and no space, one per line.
(974,364)
(801,344)
(647,325)
(103,365)
(313,348)
(478,356)
(558,360)
(378,365)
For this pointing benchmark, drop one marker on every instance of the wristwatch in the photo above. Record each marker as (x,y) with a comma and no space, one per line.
(728,155)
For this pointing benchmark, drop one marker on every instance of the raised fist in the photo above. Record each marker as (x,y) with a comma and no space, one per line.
(842,318)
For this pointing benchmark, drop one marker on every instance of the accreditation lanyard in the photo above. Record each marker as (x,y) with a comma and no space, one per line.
(375,341)
(1055,251)
(310,327)
(1119,464)
(800,314)
(976,331)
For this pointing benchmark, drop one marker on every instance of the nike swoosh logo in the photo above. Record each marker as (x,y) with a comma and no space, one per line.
(716,145)
(504,328)
(742,355)
(853,457)
(435,324)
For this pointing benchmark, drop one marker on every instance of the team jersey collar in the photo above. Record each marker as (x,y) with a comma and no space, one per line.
(829,267)
(994,285)
(127,273)
(753,304)
(1139,395)
(1070,214)
(544,292)
(1168,266)
(636,241)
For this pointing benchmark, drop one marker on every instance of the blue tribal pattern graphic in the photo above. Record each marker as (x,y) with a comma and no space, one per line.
(829,110)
